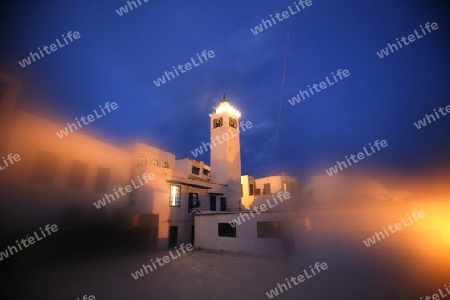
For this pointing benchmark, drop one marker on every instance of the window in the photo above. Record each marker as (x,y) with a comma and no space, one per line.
(166,165)
(308,223)
(233,123)
(175,195)
(226,230)
(155,162)
(269,230)
(250,189)
(212,202)
(218,122)
(142,160)
(223,204)
(193,201)
(101,184)
(44,168)
(285,187)
(206,172)
(77,175)
(195,170)
(257,192)
(266,188)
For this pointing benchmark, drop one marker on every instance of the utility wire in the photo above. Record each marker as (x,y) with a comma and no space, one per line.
(281,96)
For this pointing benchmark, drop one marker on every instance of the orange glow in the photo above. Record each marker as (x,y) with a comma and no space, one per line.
(437,219)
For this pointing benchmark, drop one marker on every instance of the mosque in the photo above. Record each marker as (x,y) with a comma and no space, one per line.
(58,176)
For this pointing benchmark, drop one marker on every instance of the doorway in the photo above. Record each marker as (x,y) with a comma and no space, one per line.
(173,236)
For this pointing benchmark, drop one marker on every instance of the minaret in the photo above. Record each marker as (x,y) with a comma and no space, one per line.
(226,151)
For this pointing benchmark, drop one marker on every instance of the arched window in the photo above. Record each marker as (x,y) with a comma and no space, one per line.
(142,160)
(155,162)
(166,165)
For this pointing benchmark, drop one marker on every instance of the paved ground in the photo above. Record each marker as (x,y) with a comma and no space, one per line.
(217,275)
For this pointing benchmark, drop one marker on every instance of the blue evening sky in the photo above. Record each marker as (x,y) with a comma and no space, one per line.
(118,57)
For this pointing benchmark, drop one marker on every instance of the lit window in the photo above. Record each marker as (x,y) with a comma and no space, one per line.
(175,195)
(155,162)
(233,123)
(269,230)
(218,122)
(166,165)
(308,224)
(226,230)
(142,160)
(195,170)
(285,187)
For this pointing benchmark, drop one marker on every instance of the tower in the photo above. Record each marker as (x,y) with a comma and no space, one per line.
(226,151)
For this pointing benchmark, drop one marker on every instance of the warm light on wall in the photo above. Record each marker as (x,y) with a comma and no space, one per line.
(225,106)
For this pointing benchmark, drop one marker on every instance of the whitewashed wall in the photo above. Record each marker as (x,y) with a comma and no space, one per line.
(246,240)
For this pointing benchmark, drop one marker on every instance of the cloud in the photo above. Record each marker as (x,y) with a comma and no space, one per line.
(343,189)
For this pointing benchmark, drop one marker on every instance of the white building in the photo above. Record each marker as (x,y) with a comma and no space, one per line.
(57,176)
(268,233)
(264,233)
(256,190)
